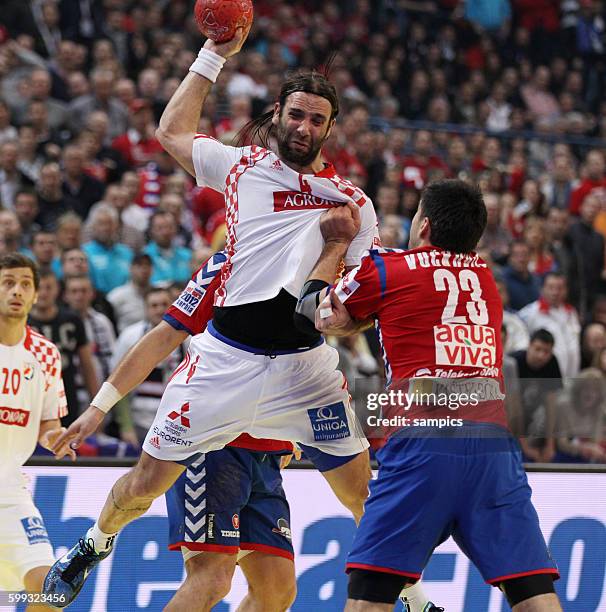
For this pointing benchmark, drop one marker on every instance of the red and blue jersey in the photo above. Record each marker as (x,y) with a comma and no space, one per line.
(438,315)
(192,311)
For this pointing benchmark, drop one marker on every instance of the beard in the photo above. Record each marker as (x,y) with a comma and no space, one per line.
(300,157)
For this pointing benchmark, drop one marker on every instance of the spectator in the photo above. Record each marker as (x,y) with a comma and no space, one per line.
(594,178)
(170,262)
(145,399)
(522,286)
(79,294)
(496,239)
(540,380)
(26,208)
(138,144)
(69,231)
(44,248)
(551,312)
(588,245)
(8,132)
(539,101)
(174,204)
(535,236)
(101,98)
(51,201)
(517,337)
(109,260)
(592,343)
(66,330)
(128,300)
(80,191)
(11,178)
(560,185)
(40,83)
(581,419)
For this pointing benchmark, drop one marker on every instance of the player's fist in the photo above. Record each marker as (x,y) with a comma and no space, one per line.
(340,224)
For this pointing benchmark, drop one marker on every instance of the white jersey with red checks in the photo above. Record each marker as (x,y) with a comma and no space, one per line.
(273,219)
(31,391)
(438,316)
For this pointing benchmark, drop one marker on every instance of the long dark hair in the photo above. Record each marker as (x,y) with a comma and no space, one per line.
(308,81)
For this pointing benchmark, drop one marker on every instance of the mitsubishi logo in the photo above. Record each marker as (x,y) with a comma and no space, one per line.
(181,414)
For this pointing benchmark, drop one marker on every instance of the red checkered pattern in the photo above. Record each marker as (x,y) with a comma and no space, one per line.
(349,189)
(231,212)
(46,354)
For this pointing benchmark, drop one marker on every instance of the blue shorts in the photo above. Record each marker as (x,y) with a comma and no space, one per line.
(230,500)
(466,482)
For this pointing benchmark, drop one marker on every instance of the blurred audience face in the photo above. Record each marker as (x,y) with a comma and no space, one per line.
(595,165)
(388,200)
(44,247)
(554,290)
(73,161)
(103,84)
(40,84)
(163,230)
(538,354)
(10,229)
(594,338)
(156,304)
(557,223)
(590,208)
(105,228)
(74,263)
(77,85)
(26,207)
(140,272)
(50,179)
(9,155)
(519,258)
(491,201)
(173,204)
(48,292)
(79,293)
(69,232)
(117,196)
(130,181)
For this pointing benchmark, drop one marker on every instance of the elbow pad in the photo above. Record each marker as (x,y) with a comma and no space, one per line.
(305,313)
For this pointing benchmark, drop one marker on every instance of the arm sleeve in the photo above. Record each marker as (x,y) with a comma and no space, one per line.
(54,405)
(213,161)
(361,290)
(367,238)
(193,309)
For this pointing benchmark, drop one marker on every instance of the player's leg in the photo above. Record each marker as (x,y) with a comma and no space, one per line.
(265,535)
(533,593)
(33,581)
(498,527)
(208,581)
(347,476)
(272,586)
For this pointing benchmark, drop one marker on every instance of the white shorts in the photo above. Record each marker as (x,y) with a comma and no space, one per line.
(24,544)
(221,391)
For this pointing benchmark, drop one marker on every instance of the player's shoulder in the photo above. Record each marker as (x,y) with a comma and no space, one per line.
(382,254)
(242,151)
(43,349)
(357,194)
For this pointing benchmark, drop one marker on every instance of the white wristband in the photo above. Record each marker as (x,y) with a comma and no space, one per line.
(106,397)
(208,64)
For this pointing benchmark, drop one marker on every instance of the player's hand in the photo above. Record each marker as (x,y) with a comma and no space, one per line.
(286,459)
(339,323)
(231,47)
(85,425)
(341,224)
(49,442)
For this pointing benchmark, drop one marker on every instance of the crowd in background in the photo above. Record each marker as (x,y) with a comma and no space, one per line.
(504,93)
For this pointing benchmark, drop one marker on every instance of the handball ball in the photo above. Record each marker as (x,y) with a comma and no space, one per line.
(219,19)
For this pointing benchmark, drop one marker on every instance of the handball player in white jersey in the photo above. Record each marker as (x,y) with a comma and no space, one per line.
(256,370)
(32,400)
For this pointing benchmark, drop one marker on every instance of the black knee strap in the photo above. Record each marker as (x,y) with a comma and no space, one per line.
(520,589)
(378,587)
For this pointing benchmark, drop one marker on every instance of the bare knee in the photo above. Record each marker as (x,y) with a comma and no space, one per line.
(276,594)
(150,478)
(210,579)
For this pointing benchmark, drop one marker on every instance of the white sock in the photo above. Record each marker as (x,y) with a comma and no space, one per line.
(102,541)
(414,597)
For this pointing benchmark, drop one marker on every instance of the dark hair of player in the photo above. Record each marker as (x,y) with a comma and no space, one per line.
(542,335)
(307,81)
(17,260)
(456,213)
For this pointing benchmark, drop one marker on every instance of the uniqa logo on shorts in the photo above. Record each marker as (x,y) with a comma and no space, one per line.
(465,345)
(329,422)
